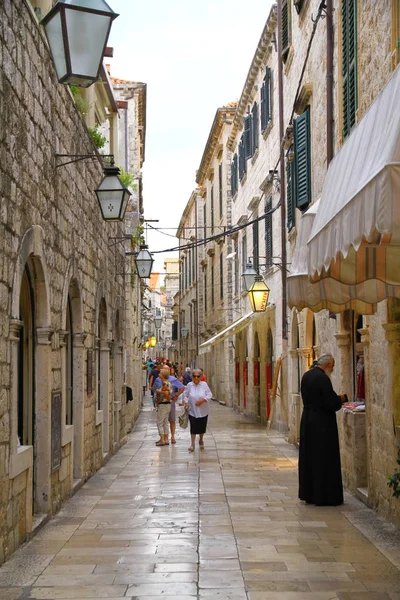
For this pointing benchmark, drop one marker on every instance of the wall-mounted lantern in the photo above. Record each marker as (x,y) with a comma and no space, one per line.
(77,32)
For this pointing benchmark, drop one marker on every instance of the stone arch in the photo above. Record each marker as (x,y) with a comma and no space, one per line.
(102,328)
(32,249)
(72,350)
(31,263)
(257,374)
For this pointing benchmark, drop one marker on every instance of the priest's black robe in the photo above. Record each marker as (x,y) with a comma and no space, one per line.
(320,475)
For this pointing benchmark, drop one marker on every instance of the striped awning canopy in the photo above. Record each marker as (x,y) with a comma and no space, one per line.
(353,248)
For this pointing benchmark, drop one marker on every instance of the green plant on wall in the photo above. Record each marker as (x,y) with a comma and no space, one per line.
(138,238)
(394,480)
(82,104)
(98,138)
(126,178)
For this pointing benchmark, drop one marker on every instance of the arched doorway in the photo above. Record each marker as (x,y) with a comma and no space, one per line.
(102,372)
(256,376)
(26,369)
(117,377)
(245,372)
(269,371)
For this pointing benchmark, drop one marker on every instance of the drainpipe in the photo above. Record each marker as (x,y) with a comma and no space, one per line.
(196,271)
(282,176)
(329,81)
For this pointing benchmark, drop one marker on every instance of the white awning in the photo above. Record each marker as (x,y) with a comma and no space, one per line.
(326,293)
(233,328)
(355,238)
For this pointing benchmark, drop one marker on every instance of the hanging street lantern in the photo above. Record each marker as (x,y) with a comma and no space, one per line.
(158,321)
(153,341)
(258,295)
(184,331)
(144,262)
(249,275)
(146,344)
(77,32)
(112,195)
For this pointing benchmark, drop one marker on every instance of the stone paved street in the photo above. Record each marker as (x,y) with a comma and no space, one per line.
(224,523)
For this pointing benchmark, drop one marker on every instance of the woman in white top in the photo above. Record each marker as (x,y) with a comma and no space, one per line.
(197,396)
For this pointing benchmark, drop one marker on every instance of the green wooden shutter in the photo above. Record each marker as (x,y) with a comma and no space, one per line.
(286,33)
(212,210)
(268,232)
(302,154)
(349,64)
(263,118)
(248,150)
(220,189)
(234,175)
(256,247)
(242,158)
(254,127)
(290,195)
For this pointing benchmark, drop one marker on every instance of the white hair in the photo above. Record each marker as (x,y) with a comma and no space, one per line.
(324,359)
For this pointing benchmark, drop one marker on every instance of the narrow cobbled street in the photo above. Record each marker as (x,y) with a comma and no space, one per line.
(224,523)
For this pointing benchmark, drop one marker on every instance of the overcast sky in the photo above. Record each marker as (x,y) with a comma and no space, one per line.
(194,56)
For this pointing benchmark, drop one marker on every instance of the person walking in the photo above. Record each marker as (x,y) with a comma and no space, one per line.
(320,476)
(154,373)
(197,396)
(177,389)
(187,376)
(162,389)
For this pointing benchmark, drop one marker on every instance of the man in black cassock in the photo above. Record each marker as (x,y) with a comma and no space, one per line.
(320,475)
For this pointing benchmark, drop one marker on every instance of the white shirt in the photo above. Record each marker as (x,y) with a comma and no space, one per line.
(195,392)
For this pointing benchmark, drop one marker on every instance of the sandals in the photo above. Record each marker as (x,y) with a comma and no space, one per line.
(191,449)
(173,441)
(162,444)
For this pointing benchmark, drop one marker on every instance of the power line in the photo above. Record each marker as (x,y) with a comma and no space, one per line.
(236,228)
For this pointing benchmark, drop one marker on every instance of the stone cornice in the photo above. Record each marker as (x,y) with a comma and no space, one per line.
(259,57)
(224,115)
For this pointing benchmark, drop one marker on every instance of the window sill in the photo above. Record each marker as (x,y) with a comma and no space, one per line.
(117,406)
(243,180)
(292,234)
(255,156)
(99,417)
(67,435)
(267,130)
(289,60)
(21,461)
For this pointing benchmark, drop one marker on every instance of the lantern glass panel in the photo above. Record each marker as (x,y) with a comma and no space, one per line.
(55,38)
(87,36)
(258,296)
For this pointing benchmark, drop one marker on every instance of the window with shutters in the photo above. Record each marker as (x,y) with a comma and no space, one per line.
(268,232)
(256,247)
(205,220)
(244,258)
(212,210)
(290,192)
(349,64)
(193,264)
(302,160)
(212,283)
(248,151)
(298,4)
(220,190)
(265,103)
(236,267)
(234,175)
(286,29)
(221,276)
(242,159)
(254,128)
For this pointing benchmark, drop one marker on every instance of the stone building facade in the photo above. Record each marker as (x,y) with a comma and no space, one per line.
(63,292)
(363,340)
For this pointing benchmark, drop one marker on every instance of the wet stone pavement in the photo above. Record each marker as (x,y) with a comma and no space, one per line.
(223,523)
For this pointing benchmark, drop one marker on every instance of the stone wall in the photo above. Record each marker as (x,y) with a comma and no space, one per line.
(50,220)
